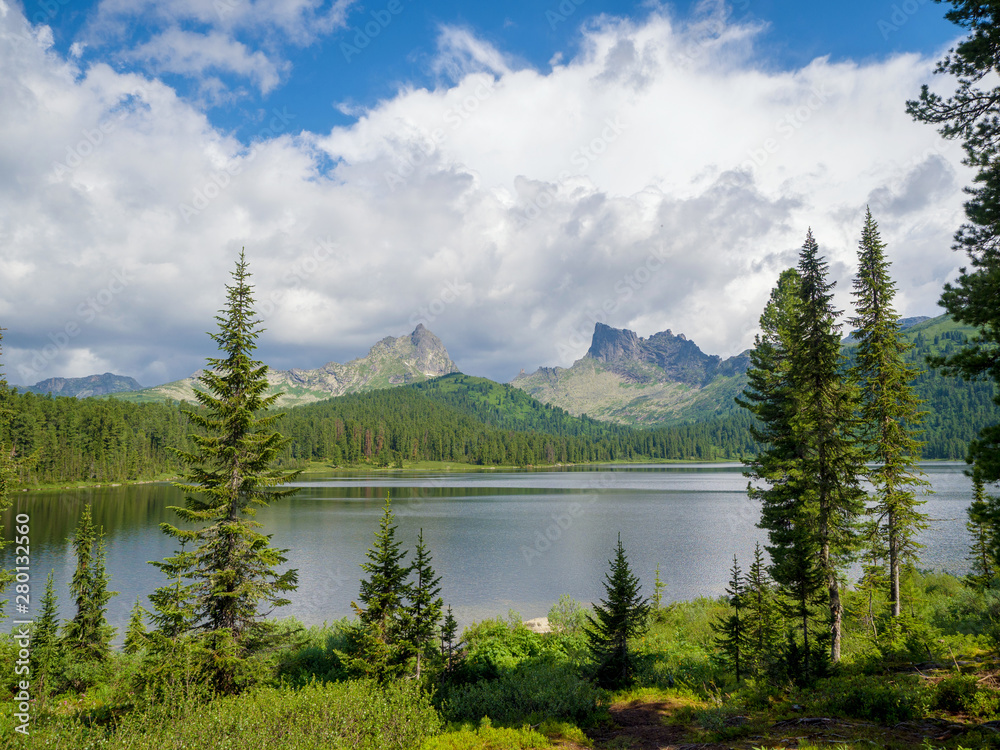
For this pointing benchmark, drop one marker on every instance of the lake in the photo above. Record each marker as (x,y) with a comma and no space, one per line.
(500,540)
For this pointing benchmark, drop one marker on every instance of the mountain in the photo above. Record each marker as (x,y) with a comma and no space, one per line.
(390,362)
(667,380)
(92,385)
(631,380)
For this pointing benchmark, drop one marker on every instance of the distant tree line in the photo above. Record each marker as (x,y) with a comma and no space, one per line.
(457,418)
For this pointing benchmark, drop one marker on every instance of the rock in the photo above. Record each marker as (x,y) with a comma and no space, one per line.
(538,625)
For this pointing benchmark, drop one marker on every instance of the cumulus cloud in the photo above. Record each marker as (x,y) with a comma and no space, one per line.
(188,53)
(196,39)
(660,178)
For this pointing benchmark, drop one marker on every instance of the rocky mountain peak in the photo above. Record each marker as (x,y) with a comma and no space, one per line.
(677,356)
(614,345)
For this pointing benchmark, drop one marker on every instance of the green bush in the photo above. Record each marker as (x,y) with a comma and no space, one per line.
(544,688)
(314,655)
(964,694)
(875,698)
(487,737)
(357,714)
(568,615)
(494,647)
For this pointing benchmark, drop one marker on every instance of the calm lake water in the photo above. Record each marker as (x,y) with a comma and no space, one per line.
(500,540)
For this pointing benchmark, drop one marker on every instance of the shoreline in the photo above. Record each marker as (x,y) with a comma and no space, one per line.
(428,467)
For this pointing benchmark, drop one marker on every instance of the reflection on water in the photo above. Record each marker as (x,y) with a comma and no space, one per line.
(500,540)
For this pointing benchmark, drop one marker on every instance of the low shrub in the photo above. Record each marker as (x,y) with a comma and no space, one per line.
(487,737)
(875,698)
(964,694)
(534,690)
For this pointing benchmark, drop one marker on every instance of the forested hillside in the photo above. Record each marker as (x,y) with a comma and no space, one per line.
(104,440)
(456,418)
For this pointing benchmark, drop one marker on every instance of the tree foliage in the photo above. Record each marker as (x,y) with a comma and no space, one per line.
(619,618)
(227,476)
(889,410)
(88,635)
(381,648)
(972,114)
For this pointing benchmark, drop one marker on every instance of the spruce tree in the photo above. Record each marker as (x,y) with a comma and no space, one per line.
(227,477)
(984,530)
(381,648)
(762,618)
(889,408)
(449,629)
(786,513)
(832,462)
(135,631)
(424,609)
(619,618)
(88,635)
(46,648)
(730,632)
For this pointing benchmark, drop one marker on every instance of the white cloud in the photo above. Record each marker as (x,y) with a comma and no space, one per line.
(659,179)
(191,54)
(195,38)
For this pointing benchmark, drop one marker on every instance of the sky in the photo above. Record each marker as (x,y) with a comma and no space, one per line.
(507,174)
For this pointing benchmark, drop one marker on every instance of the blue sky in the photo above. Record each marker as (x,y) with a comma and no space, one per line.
(348,66)
(507,174)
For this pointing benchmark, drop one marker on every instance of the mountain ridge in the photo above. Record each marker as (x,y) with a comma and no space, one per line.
(391,361)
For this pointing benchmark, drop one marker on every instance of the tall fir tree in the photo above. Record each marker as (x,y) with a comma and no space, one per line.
(786,513)
(832,462)
(984,532)
(227,477)
(972,114)
(88,636)
(381,649)
(424,609)
(620,617)
(889,408)
(730,632)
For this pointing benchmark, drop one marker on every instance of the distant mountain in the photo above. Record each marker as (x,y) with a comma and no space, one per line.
(666,379)
(628,379)
(390,362)
(92,385)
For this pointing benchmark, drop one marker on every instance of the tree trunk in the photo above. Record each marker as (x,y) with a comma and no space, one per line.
(894,564)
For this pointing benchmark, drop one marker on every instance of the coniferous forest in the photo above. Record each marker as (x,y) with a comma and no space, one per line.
(799,652)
